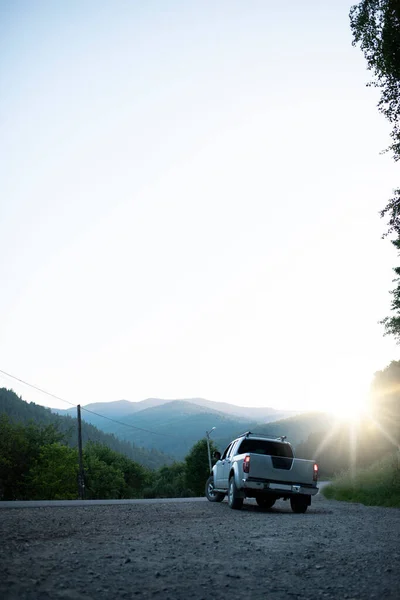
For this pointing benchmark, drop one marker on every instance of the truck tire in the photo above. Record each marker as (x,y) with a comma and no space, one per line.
(299,504)
(265,502)
(234,500)
(210,494)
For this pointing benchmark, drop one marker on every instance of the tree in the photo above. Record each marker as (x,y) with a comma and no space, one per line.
(134,475)
(197,468)
(375,25)
(54,475)
(20,448)
(168,482)
(37,464)
(385,399)
(392,323)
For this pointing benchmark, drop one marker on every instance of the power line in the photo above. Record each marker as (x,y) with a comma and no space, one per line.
(37,388)
(86,409)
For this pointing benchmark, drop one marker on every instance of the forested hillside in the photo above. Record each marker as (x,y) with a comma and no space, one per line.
(20,411)
(298,428)
(178,425)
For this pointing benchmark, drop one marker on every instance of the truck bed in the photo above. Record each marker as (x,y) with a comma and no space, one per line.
(270,468)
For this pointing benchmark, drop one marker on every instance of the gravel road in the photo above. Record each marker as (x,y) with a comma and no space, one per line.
(199,550)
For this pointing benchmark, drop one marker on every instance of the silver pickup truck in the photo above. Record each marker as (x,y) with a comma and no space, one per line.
(264,468)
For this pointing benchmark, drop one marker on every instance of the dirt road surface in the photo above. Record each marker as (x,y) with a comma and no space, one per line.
(199,550)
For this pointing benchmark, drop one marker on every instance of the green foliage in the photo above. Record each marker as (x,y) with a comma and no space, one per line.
(197,467)
(392,211)
(169,482)
(375,25)
(385,399)
(392,324)
(36,464)
(183,479)
(378,485)
(102,480)
(54,474)
(108,474)
(20,451)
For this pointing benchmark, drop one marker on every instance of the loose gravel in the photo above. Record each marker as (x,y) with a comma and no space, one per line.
(199,550)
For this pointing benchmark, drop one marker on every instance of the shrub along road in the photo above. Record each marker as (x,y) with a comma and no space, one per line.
(197,550)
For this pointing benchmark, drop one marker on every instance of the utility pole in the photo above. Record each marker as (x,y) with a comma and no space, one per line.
(81,478)
(208,447)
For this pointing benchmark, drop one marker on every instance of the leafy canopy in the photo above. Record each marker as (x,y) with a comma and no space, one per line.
(197,467)
(375,25)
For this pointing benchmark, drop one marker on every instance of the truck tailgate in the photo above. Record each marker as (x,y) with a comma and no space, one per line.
(291,470)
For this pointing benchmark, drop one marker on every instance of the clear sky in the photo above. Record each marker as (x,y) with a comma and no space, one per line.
(189,202)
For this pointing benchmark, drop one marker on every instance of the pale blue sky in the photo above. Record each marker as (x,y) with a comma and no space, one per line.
(189,202)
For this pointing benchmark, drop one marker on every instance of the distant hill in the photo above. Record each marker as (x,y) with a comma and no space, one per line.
(298,428)
(20,411)
(174,426)
(122,408)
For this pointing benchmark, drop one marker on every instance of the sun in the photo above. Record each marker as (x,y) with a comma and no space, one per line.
(344,395)
(349,407)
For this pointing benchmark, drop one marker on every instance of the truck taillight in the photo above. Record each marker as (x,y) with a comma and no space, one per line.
(315,473)
(246,464)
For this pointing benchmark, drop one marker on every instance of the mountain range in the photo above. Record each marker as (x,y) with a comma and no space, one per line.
(121,408)
(173,426)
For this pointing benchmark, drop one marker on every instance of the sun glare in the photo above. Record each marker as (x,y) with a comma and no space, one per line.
(344,396)
(350,408)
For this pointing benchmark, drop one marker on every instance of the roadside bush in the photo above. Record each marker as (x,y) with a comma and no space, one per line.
(377,485)
(169,482)
(197,467)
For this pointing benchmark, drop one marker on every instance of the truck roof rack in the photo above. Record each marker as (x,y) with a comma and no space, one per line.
(281,438)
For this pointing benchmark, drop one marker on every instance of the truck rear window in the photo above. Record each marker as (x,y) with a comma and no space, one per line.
(265,447)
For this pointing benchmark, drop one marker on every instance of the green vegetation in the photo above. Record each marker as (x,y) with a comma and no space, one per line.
(20,411)
(37,464)
(375,25)
(377,485)
(169,482)
(183,479)
(197,467)
(53,475)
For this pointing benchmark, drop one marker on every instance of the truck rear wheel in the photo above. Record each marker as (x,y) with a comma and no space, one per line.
(265,502)
(211,495)
(299,504)
(234,500)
